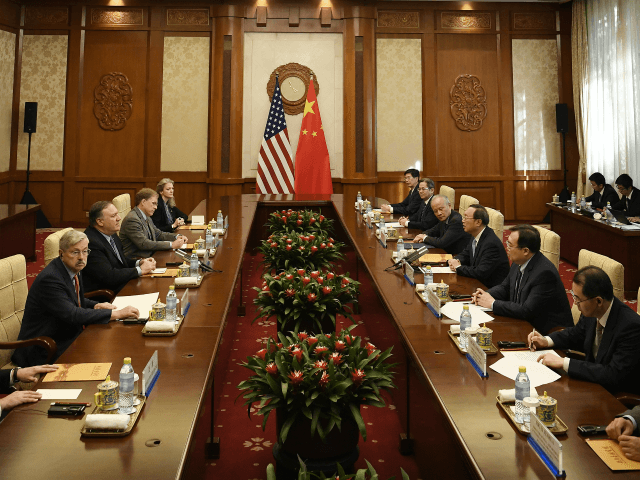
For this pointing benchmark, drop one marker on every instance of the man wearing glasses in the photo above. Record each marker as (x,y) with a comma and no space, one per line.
(533,290)
(608,333)
(630,201)
(56,306)
(448,234)
(424,218)
(411,204)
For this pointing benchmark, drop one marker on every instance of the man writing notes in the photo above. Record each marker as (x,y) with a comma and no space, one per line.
(140,237)
(533,290)
(424,218)
(448,234)
(484,257)
(624,429)
(608,333)
(411,204)
(56,306)
(108,266)
(15,398)
(630,201)
(602,192)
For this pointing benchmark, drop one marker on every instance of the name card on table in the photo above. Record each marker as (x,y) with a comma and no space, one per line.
(150,374)
(367,219)
(184,302)
(546,446)
(477,357)
(226,222)
(408,272)
(383,237)
(433,302)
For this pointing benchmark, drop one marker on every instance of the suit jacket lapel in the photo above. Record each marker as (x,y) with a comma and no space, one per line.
(68,281)
(607,335)
(145,221)
(108,246)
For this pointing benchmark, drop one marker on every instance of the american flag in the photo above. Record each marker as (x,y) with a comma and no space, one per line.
(275,168)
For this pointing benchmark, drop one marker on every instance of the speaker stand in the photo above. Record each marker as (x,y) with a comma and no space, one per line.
(564,195)
(27,197)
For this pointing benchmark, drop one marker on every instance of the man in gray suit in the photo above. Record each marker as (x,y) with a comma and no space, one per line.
(624,429)
(140,237)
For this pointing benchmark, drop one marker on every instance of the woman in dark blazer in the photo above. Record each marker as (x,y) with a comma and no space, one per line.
(167,216)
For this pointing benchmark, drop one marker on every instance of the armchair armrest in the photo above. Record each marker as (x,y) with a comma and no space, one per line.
(47,343)
(103,294)
(628,399)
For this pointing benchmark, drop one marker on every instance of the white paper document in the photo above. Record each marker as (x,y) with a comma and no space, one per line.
(142,302)
(159,271)
(454,309)
(527,355)
(435,270)
(197,219)
(59,393)
(390,224)
(538,373)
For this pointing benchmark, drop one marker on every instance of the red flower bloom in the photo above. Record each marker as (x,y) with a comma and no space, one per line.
(290,292)
(301,248)
(279,345)
(348,339)
(320,280)
(314,249)
(312,341)
(336,357)
(330,245)
(345,281)
(340,345)
(312,221)
(324,379)
(326,290)
(323,245)
(300,271)
(331,240)
(321,364)
(312,237)
(302,335)
(288,248)
(321,218)
(289,241)
(300,217)
(297,353)
(261,353)
(289,276)
(272,369)
(299,222)
(265,288)
(305,280)
(274,245)
(321,349)
(370,348)
(284,219)
(315,274)
(296,377)
(312,297)
(330,276)
(357,376)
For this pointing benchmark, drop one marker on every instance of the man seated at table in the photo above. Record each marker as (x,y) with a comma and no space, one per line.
(140,237)
(424,218)
(411,204)
(56,306)
(484,257)
(107,266)
(630,201)
(15,375)
(608,333)
(533,290)
(448,234)
(602,192)
(624,429)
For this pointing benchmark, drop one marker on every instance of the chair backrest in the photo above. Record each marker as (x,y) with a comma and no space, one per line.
(52,245)
(496,222)
(123,204)
(450,193)
(13,297)
(614,269)
(465,202)
(549,245)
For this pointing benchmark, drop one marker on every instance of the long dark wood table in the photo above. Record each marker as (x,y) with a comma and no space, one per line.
(443,405)
(18,225)
(578,232)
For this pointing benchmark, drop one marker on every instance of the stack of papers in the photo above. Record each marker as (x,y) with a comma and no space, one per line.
(454,309)
(538,374)
(142,302)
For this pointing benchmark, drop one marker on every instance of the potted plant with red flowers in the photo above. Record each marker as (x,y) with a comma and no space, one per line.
(299,250)
(306,300)
(368,473)
(316,384)
(301,221)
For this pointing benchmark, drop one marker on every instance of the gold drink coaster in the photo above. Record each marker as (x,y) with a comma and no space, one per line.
(171,272)
(133,418)
(560,428)
(610,453)
(163,334)
(455,338)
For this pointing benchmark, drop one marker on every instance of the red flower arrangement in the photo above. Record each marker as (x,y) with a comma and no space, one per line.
(282,251)
(288,221)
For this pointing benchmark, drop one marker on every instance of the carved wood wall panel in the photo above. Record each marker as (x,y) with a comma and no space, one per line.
(388,19)
(296,106)
(465,20)
(187,16)
(111,16)
(37,15)
(534,21)
(113,101)
(468,103)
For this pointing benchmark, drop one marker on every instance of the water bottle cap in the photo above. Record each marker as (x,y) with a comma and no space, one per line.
(127,360)
(465,307)
(399,237)
(523,369)
(172,287)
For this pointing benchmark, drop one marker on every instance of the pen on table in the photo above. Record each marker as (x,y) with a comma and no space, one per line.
(531,343)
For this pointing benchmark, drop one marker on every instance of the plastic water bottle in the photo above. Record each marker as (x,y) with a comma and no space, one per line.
(583,203)
(607,213)
(125,397)
(465,322)
(428,276)
(382,226)
(523,390)
(368,208)
(193,264)
(400,249)
(172,304)
(220,219)
(573,198)
(208,238)
(359,198)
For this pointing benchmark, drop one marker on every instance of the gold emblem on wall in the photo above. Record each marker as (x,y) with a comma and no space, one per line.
(294,83)
(468,103)
(113,101)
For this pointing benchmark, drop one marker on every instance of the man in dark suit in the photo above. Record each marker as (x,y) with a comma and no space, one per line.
(424,218)
(484,257)
(56,306)
(9,377)
(140,237)
(411,204)
(448,234)
(533,290)
(630,201)
(602,192)
(608,333)
(624,429)
(107,266)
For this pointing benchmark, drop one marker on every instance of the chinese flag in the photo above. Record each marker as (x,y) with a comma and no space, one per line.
(313,171)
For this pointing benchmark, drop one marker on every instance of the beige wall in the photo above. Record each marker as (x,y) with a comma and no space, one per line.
(7,61)
(185,104)
(263,52)
(44,80)
(535,94)
(399,104)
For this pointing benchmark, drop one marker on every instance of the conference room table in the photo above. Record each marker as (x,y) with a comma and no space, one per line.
(449,412)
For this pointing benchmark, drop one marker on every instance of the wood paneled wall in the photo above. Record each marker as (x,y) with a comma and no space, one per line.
(99,164)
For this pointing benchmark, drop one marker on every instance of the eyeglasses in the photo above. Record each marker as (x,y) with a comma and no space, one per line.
(77,253)
(509,246)
(576,300)
(423,189)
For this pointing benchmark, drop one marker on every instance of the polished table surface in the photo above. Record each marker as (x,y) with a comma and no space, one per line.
(449,408)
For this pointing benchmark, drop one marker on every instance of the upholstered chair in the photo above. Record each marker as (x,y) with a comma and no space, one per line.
(123,204)
(450,193)
(496,222)
(465,202)
(52,245)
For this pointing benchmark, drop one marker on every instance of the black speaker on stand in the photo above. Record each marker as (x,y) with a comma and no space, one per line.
(30,121)
(562,126)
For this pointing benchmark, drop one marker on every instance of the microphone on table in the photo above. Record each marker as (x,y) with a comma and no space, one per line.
(187,257)
(412,257)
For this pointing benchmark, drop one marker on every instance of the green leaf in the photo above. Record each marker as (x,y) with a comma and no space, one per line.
(271,472)
(355,411)
(314,420)
(285,387)
(284,431)
(404,474)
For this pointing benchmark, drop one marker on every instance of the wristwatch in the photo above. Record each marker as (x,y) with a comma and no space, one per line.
(14,375)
